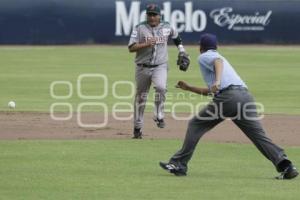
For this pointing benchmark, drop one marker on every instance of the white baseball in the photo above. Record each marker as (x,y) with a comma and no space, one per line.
(11,104)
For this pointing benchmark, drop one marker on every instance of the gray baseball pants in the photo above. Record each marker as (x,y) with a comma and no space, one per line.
(237,104)
(144,77)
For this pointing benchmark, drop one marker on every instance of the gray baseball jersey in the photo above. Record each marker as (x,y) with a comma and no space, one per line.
(158,54)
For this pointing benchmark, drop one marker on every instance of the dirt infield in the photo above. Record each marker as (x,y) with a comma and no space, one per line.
(282,129)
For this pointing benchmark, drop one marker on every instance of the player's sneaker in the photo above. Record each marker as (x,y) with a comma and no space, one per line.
(137,133)
(172,168)
(160,123)
(289,173)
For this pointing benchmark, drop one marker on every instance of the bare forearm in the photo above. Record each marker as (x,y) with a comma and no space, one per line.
(218,69)
(198,90)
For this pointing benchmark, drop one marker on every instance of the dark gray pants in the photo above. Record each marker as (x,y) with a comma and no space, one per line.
(237,104)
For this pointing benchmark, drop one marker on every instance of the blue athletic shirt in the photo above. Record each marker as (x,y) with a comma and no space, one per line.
(229,75)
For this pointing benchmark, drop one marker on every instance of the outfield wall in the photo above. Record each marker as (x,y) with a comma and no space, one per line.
(110,22)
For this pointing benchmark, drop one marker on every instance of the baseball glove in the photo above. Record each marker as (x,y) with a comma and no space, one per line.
(183,61)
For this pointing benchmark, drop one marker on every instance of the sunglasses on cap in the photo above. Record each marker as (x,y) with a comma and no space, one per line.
(152,14)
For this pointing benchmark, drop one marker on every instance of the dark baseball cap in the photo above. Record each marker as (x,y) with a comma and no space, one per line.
(208,41)
(153,8)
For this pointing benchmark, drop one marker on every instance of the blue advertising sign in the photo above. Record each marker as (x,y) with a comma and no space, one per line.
(111,22)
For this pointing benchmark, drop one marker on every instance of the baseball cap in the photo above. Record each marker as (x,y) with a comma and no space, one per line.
(208,41)
(153,8)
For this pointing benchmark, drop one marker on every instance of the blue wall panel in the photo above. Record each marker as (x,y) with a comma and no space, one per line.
(104,21)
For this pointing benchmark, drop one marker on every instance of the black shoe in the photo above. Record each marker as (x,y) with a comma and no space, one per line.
(172,168)
(137,133)
(289,173)
(160,123)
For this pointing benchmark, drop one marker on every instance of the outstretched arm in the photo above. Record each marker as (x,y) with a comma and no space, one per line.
(178,42)
(183,60)
(184,86)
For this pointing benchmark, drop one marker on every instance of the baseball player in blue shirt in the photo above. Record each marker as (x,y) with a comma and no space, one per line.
(231,100)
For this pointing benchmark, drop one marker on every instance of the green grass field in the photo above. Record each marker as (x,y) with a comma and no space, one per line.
(271,72)
(128,169)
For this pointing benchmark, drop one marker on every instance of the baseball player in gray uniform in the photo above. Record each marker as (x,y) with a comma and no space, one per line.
(149,40)
(231,100)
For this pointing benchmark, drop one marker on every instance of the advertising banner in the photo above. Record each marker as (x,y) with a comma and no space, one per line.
(111,22)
